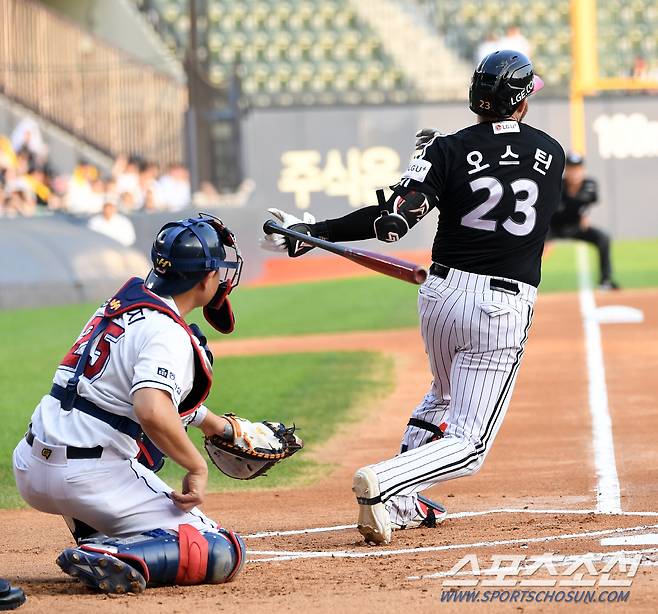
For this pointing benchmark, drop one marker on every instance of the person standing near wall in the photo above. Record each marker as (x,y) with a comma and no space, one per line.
(571,220)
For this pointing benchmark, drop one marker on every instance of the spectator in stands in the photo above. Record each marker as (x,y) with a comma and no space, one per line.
(112,224)
(126,202)
(81,198)
(174,190)
(39,184)
(27,138)
(19,201)
(150,202)
(571,220)
(125,171)
(487,46)
(148,186)
(515,41)
(135,184)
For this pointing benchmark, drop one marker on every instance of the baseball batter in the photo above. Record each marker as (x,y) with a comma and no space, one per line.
(121,400)
(496,185)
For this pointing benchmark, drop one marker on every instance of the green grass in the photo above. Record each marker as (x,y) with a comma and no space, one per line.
(33,341)
(364,303)
(635,265)
(317,392)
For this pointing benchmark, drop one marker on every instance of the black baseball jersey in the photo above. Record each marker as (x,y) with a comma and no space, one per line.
(572,207)
(496,185)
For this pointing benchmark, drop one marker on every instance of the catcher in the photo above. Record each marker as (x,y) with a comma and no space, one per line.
(121,401)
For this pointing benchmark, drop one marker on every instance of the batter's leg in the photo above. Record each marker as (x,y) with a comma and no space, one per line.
(437,309)
(437,305)
(482,383)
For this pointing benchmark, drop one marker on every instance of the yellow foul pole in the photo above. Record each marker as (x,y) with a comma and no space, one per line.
(585,68)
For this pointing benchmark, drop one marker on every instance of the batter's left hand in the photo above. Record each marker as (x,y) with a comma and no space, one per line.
(279,243)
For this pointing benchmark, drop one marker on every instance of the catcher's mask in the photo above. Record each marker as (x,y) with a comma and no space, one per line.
(185,251)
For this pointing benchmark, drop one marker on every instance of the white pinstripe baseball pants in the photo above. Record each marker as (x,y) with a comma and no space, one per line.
(474,337)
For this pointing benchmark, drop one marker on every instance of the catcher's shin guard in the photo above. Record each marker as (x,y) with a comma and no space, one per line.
(168,558)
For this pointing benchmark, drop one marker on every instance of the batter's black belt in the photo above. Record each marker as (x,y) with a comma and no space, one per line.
(440,270)
(71,451)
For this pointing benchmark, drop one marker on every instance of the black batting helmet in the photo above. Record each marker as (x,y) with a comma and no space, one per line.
(501,82)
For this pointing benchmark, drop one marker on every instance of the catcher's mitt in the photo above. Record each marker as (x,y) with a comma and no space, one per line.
(254,448)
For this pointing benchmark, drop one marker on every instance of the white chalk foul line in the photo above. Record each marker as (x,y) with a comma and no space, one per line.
(291,555)
(608,498)
(456,515)
(338,527)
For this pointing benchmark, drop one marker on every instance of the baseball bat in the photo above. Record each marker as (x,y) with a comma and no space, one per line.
(388,265)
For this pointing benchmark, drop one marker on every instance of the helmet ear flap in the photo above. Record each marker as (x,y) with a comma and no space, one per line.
(227,237)
(218,312)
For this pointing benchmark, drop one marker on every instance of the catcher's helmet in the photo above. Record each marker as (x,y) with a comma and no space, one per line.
(501,82)
(186,250)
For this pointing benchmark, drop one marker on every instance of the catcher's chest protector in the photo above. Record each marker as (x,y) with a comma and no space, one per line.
(134,295)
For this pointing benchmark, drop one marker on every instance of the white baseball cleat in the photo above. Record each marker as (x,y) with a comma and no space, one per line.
(374,522)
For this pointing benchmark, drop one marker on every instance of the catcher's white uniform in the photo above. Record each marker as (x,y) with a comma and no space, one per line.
(113,494)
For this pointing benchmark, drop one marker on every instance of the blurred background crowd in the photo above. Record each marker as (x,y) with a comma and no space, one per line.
(31,184)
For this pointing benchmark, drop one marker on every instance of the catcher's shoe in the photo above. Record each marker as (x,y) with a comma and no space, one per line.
(10,597)
(428,514)
(374,522)
(101,571)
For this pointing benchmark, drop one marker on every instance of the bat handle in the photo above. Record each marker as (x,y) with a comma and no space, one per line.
(270,227)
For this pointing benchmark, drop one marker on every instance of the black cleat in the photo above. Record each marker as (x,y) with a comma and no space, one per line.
(101,571)
(10,597)
(608,284)
(428,514)
(434,512)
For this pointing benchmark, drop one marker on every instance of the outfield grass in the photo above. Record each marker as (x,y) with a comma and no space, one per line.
(317,392)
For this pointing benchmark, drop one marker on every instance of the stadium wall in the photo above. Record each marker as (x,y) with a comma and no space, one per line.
(56,260)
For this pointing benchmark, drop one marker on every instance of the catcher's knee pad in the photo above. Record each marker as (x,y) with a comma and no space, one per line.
(187,557)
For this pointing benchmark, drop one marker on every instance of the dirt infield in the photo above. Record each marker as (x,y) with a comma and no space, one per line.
(535,494)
